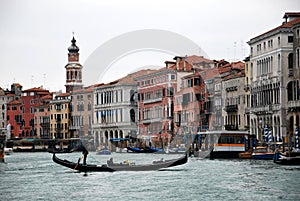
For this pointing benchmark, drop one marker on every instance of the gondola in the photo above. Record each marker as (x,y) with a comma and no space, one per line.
(112,167)
(287,158)
(144,150)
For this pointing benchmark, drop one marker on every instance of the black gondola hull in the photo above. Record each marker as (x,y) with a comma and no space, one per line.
(158,165)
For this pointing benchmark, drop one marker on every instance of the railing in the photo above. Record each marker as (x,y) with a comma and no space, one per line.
(293,104)
(45,124)
(152,100)
(291,72)
(231,127)
(231,108)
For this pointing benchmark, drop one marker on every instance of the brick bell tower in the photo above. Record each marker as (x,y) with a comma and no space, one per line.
(73,69)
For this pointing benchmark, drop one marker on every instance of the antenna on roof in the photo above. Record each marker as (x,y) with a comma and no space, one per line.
(31,80)
(44,76)
(234,50)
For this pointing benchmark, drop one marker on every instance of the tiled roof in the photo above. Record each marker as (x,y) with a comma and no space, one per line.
(15,102)
(36,89)
(194,59)
(47,97)
(291,14)
(284,25)
(63,95)
(130,78)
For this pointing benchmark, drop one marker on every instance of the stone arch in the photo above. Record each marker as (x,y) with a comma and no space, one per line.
(116,134)
(111,134)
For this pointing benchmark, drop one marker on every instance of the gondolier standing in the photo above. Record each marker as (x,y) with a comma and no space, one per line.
(85,153)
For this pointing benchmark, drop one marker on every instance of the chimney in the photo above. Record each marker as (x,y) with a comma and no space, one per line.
(178,59)
(169,64)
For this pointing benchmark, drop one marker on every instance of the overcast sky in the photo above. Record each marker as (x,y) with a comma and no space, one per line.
(35,35)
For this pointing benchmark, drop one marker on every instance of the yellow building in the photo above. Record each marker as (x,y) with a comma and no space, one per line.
(60,116)
(247,91)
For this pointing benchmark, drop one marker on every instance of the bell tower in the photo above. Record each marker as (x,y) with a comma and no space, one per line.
(73,69)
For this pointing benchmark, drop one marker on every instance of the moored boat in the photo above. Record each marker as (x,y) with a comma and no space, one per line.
(223,144)
(144,150)
(245,155)
(262,152)
(103,152)
(111,166)
(292,158)
(8,151)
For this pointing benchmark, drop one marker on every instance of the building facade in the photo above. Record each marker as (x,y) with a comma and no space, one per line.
(7,118)
(271,62)
(60,112)
(42,117)
(293,82)
(82,114)
(155,107)
(116,110)
(233,94)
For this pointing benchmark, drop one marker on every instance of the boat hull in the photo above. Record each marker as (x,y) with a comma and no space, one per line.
(285,159)
(263,156)
(245,155)
(121,167)
(146,150)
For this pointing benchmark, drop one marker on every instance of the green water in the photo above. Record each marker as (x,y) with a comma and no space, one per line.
(33,176)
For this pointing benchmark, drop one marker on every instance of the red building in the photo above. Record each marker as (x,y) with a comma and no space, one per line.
(30,99)
(156,96)
(192,104)
(14,118)
(12,112)
(42,117)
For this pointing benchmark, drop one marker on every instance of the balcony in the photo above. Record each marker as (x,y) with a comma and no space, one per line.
(294,105)
(58,129)
(154,100)
(268,109)
(231,108)
(247,110)
(45,124)
(148,121)
(233,88)
(291,72)
(231,127)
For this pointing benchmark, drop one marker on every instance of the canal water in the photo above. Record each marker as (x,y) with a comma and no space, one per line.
(33,176)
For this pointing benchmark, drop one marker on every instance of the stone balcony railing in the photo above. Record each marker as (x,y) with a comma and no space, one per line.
(293,104)
(154,100)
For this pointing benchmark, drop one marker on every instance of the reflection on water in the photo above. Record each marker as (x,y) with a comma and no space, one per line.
(33,176)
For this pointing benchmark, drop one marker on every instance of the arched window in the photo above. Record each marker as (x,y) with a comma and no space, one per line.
(297,58)
(290,61)
(279,62)
(132,115)
(271,64)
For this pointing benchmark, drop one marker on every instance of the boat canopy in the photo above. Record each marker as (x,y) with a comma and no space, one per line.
(119,139)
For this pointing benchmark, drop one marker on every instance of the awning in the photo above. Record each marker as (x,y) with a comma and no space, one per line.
(119,139)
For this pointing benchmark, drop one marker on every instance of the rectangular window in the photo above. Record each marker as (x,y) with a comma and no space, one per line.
(290,39)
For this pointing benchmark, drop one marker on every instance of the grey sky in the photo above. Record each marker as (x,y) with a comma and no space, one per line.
(35,35)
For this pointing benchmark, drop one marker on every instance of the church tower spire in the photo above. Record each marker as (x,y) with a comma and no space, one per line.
(73,68)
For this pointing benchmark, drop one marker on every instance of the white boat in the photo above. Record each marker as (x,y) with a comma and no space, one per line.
(8,151)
